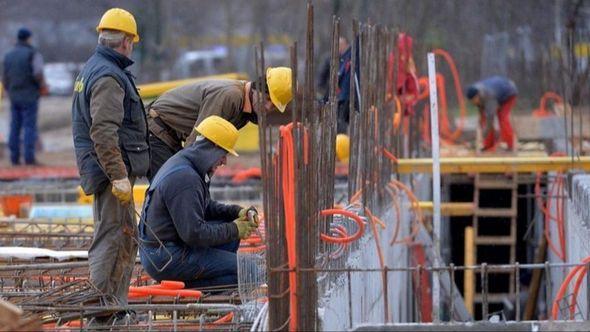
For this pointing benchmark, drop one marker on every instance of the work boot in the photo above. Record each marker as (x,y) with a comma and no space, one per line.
(34,163)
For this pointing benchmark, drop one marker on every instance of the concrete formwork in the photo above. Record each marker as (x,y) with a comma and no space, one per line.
(578,232)
(343,308)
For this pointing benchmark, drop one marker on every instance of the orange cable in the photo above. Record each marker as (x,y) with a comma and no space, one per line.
(288,184)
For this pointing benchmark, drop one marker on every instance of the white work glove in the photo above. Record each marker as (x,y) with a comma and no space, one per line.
(122,190)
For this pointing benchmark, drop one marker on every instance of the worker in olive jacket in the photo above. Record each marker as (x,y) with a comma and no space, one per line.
(173,115)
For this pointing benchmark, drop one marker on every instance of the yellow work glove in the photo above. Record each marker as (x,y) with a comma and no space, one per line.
(245,228)
(122,190)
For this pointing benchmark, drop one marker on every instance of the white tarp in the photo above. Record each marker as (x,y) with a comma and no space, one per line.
(32,253)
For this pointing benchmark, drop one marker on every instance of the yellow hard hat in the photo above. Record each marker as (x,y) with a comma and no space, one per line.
(219,131)
(120,20)
(342,147)
(279,81)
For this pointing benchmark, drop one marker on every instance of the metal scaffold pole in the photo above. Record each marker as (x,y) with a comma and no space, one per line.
(435,182)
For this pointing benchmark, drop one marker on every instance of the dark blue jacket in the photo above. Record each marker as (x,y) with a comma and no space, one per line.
(178,203)
(21,84)
(133,138)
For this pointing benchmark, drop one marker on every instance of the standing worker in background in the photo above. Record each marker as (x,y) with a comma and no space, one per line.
(201,235)
(494,95)
(343,88)
(342,96)
(172,117)
(23,80)
(111,144)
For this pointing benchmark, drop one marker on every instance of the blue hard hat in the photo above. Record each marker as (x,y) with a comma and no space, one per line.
(23,34)
(471,92)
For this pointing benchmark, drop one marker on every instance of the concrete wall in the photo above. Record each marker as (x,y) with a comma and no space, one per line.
(366,288)
(578,231)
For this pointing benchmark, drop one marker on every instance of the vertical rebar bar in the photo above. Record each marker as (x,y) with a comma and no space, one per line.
(517,288)
(548,290)
(484,291)
(452,291)
(588,291)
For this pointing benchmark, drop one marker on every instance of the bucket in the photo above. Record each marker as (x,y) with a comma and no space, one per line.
(12,205)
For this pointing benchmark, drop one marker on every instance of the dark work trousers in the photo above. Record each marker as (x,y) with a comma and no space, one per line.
(160,152)
(114,248)
(196,267)
(23,118)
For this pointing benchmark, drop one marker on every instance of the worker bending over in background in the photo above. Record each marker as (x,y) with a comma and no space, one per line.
(111,145)
(173,115)
(494,95)
(201,234)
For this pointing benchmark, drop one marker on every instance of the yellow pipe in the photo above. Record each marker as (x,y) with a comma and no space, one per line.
(469,278)
(449,209)
(153,90)
(494,164)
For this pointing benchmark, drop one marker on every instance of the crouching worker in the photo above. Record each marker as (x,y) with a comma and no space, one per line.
(200,234)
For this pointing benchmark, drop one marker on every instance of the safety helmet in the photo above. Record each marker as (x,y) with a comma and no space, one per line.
(342,147)
(279,81)
(219,131)
(120,20)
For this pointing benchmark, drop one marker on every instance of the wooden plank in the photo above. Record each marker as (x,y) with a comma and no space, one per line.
(449,209)
(494,240)
(491,212)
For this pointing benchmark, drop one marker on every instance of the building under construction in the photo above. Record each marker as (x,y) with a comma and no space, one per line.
(419,230)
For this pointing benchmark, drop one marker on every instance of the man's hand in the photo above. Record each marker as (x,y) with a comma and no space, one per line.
(245,228)
(122,190)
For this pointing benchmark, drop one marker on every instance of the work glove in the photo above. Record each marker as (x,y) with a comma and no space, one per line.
(243,214)
(122,190)
(245,228)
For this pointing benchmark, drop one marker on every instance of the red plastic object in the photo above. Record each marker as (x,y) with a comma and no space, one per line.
(11,205)
(166,288)
(422,284)
(250,173)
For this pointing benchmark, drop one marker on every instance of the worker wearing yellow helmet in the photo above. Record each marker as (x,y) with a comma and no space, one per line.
(174,114)
(201,235)
(342,147)
(111,146)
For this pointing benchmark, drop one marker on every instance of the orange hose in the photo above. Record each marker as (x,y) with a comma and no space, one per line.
(225,319)
(453,136)
(395,200)
(359,233)
(167,284)
(288,183)
(577,286)
(415,207)
(376,237)
(135,292)
(445,126)
(390,155)
(542,110)
(563,287)
(556,188)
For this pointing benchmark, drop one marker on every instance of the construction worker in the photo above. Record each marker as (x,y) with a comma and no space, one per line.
(494,95)
(23,80)
(111,145)
(172,117)
(342,96)
(201,236)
